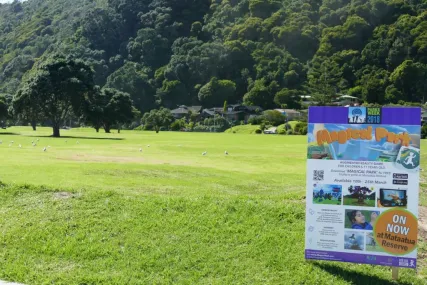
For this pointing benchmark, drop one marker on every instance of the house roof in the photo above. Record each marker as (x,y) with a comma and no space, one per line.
(195,109)
(180,111)
(232,112)
(290,111)
(254,108)
(184,109)
(209,112)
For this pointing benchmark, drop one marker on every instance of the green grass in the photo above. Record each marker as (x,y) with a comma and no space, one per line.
(243,129)
(318,201)
(350,201)
(101,212)
(374,248)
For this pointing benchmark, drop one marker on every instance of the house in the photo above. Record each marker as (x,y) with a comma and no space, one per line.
(235,115)
(183,111)
(290,114)
(347,100)
(234,112)
(423,116)
(206,113)
(307,100)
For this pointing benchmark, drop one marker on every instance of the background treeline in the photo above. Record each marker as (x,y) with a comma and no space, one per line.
(164,53)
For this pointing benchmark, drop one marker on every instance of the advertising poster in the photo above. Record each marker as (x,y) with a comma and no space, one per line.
(363,185)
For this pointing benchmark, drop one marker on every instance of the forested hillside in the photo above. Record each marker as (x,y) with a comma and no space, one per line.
(260,52)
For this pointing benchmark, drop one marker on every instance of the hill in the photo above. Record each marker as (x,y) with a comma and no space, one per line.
(261,52)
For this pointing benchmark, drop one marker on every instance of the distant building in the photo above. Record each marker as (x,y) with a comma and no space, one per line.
(307,100)
(347,100)
(290,114)
(234,112)
(183,111)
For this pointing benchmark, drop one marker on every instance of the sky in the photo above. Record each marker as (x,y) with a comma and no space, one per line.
(7,1)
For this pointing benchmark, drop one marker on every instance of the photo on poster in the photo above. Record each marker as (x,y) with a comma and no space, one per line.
(365,142)
(371,244)
(354,240)
(327,194)
(360,219)
(362,196)
(357,115)
(389,198)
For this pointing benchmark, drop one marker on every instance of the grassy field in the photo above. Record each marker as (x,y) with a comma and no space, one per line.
(93,209)
(321,201)
(350,201)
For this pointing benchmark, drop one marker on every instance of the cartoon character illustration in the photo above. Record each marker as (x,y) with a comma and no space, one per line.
(409,159)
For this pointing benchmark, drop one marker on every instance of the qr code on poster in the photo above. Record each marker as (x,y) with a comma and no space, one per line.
(318,175)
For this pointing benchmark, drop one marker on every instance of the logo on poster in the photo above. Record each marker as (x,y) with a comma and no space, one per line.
(409,158)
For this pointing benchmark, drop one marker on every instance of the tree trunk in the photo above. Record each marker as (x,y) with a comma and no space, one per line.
(157,128)
(97,129)
(34,125)
(56,133)
(107,129)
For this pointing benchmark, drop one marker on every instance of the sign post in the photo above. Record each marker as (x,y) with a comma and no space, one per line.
(363,185)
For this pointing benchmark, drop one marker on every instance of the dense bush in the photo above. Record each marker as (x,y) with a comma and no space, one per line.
(256,120)
(258,131)
(424,132)
(274,117)
(299,128)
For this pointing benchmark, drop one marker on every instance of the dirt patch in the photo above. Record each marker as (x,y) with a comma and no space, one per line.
(422,222)
(100,158)
(121,159)
(63,195)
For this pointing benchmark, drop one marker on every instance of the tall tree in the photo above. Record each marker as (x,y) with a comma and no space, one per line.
(58,86)
(3,108)
(108,107)
(25,108)
(216,92)
(157,118)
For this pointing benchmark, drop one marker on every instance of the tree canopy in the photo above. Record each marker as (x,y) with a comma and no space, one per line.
(165,53)
(58,86)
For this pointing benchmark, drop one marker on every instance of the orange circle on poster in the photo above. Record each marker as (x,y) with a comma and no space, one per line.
(396,231)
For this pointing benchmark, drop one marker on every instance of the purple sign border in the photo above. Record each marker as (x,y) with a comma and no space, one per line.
(407,116)
(361,258)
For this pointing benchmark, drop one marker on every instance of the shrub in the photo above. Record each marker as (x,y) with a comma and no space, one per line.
(176,125)
(304,131)
(139,128)
(299,126)
(281,131)
(424,132)
(258,131)
(274,117)
(289,132)
(256,120)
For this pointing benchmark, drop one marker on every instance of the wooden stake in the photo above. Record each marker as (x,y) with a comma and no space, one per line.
(395,273)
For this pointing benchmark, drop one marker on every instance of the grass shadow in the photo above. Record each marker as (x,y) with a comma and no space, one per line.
(74,137)
(354,277)
(9,134)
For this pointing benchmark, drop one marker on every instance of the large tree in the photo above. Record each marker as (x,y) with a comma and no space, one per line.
(57,87)
(215,92)
(157,118)
(108,107)
(23,106)
(3,108)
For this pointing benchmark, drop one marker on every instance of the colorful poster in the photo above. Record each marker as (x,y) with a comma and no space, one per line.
(363,185)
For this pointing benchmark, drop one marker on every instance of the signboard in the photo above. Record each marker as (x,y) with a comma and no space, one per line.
(362,185)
